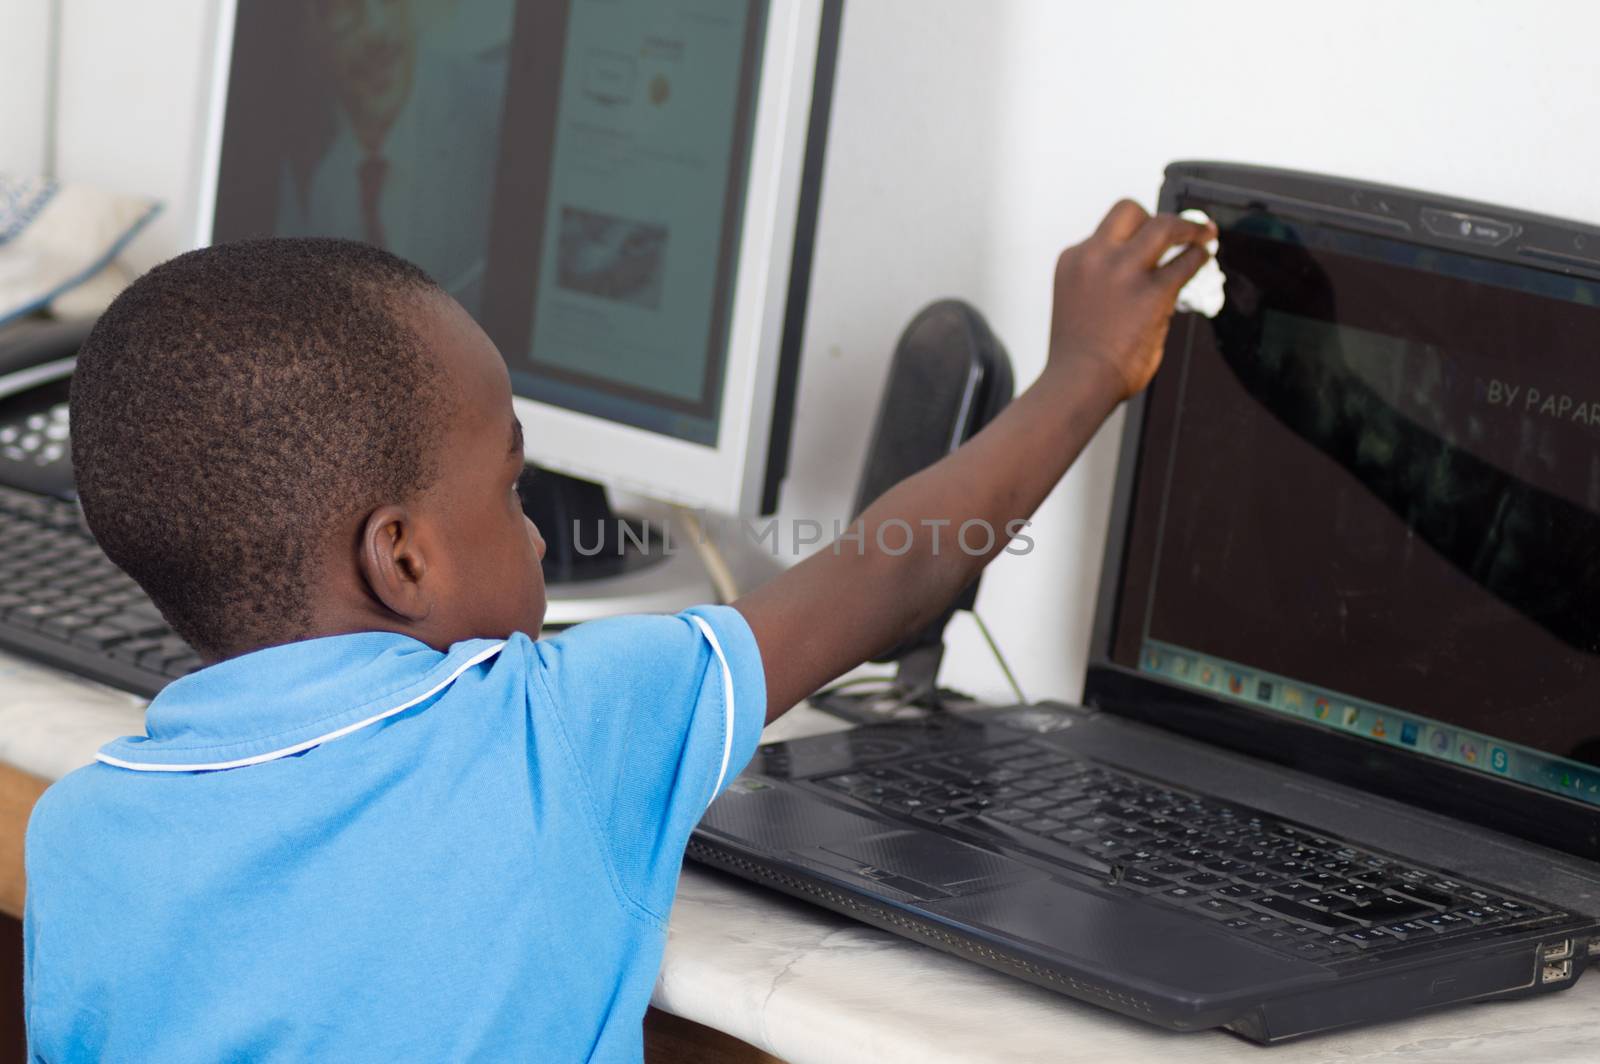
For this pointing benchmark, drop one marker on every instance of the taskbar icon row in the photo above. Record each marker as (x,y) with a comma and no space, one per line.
(1255,687)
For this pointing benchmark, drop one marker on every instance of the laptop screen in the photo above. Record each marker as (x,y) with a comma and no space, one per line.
(1368,498)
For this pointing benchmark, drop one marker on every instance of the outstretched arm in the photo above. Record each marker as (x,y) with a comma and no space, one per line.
(851,600)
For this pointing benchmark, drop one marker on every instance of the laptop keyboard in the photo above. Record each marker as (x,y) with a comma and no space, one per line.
(1287,887)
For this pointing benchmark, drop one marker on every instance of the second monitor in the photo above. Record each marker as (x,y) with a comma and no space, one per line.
(622,192)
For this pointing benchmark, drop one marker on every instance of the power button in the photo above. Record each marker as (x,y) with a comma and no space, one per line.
(1470,227)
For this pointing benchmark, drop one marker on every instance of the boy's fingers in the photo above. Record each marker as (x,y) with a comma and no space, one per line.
(1121,221)
(1166,231)
(1177,273)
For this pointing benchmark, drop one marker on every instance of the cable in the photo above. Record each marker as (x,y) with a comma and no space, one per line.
(856,681)
(722,579)
(1011,677)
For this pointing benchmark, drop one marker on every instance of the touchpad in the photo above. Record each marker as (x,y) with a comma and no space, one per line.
(912,859)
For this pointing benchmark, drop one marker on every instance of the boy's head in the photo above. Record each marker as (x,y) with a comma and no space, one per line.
(281,439)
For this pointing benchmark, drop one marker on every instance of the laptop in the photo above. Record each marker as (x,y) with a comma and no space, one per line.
(1337,759)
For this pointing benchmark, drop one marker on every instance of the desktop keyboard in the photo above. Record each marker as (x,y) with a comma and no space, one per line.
(62,602)
(1285,886)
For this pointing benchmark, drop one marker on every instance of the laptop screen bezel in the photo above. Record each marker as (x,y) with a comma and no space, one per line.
(1517,809)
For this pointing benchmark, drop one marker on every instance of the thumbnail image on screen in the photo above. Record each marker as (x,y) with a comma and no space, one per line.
(611,258)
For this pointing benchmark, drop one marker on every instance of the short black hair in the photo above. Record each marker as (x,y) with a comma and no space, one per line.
(237,404)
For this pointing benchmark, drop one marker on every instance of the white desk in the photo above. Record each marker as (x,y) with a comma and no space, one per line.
(814,988)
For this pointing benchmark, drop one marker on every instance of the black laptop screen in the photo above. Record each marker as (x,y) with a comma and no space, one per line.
(1369,498)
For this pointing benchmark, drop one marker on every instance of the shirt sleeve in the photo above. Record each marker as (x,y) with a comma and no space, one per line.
(660,714)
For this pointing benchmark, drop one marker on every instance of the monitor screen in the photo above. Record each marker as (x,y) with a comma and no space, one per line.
(572,172)
(1368,497)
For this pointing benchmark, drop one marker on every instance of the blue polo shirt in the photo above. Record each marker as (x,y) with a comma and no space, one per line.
(359,848)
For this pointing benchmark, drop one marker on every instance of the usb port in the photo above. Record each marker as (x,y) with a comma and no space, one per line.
(1594,947)
(1556,973)
(1557,951)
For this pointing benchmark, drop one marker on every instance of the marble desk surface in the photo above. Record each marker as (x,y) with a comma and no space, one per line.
(815,988)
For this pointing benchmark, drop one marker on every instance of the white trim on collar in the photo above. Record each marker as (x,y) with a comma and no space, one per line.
(727,701)
(478,658)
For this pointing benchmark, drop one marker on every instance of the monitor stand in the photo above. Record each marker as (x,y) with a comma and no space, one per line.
(912,693)
(599,563)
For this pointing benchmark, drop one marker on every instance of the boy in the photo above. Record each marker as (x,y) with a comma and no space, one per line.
(386,823)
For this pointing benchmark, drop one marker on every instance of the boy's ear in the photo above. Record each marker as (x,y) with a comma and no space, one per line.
(392,564)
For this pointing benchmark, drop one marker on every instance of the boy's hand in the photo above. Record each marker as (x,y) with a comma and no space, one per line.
(1113,303)
(841,606)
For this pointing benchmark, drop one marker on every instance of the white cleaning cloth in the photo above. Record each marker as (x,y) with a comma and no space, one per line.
(1203,294)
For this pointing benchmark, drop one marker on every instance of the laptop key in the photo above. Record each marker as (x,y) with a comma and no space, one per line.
(1297,891)
(1218,907)
(1446,922)
(1302,914)
(1410,930)
(1072,836)
(1388,910)
(1424,894)
(1327,902)
(1106,847)
(1144,880)
(1292,869)
(1281,939)
(1368,937)
(1358,893)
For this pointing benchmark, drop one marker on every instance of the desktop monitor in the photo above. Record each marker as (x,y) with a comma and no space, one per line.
(622,192)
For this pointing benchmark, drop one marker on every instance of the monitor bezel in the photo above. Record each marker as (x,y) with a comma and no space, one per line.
(732,476)
(1541,242)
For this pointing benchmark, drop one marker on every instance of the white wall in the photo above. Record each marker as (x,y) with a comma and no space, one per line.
(975,138)
(24,69)
(134,87)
